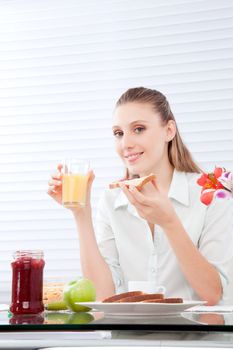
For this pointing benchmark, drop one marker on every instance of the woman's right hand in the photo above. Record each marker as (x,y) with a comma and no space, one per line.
(55,187)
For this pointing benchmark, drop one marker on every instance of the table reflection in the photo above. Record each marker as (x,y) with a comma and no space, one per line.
(68,317)
(27,319)
(146,320)
(211,318)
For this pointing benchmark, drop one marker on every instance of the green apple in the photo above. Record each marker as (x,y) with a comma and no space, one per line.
(56,305)
(79,291)
(80,318)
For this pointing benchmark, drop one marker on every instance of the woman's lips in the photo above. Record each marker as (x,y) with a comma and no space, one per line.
(133,157)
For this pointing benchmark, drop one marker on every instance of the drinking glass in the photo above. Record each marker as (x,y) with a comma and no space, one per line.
(74,182)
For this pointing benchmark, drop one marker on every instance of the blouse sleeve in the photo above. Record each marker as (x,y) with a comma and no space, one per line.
(216,241)
(107,245)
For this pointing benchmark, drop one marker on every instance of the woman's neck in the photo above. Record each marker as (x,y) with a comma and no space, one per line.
(164,175)
(164,179)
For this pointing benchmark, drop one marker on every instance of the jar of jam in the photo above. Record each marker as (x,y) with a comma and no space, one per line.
(27,282)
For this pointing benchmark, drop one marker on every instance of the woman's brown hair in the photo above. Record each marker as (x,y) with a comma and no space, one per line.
(178,154)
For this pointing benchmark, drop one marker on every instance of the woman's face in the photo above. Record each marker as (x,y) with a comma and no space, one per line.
(140,138)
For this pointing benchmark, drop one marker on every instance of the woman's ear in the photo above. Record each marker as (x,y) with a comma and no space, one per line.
(171,130)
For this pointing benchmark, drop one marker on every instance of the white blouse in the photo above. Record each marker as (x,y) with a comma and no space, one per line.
(127,245)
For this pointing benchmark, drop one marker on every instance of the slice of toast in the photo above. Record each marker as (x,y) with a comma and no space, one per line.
(137,298)
(138,182)
(114,298)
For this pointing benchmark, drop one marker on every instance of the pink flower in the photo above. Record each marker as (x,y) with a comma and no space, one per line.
(218,184)
(226,180)
(222,194)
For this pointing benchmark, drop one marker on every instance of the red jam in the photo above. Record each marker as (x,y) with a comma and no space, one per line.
(27,282)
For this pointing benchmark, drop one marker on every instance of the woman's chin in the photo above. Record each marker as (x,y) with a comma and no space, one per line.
(137,171)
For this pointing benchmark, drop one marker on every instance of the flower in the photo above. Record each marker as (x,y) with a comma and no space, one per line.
(218,184)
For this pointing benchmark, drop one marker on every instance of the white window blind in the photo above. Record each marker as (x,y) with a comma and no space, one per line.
(63,64)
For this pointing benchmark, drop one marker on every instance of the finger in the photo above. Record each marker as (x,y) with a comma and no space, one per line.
(148,187)
(54,183)
(139,197)
(59,167)
(139,207)
(128,194)
(56,175)
(91,176)
(51,190)
(154,184)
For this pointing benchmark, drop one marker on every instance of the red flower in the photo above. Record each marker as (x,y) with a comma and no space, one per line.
(207,196)
(202,180)
(218,172)
(210,184)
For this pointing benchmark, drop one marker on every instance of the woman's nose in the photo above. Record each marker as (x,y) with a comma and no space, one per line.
(127,141)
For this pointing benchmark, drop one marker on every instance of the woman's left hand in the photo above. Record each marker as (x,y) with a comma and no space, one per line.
(152,205)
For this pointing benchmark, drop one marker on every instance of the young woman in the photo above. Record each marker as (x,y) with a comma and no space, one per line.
(162,233)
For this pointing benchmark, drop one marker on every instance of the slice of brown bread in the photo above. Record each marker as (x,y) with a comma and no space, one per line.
(173,300)
(153,301)
(137,298)
(117,297)
(165,300)
(138,182)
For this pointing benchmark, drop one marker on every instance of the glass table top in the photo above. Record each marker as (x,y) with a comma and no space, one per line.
(65,320)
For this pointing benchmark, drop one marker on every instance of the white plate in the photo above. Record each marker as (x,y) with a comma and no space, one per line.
(127,309)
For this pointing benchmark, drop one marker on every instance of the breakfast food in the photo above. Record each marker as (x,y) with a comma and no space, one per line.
(141,297)
(173,300)
(138,182)
(53,296)
(77,291)
(166,301)
(115,298)
(153,301)
(137,298)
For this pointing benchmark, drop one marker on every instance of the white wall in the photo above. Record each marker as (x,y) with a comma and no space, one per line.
(63,64)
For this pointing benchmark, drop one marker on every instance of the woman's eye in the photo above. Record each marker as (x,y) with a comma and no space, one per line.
(139,129)
(117,133)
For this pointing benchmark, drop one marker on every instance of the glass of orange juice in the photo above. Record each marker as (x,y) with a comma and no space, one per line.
(74,182)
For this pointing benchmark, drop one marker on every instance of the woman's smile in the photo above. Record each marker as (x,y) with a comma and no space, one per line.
(133,157)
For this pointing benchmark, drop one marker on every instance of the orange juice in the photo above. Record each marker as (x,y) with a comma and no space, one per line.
(74,189)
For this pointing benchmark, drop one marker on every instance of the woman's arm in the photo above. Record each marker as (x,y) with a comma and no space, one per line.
(202,276)
(156,208)
(93,264)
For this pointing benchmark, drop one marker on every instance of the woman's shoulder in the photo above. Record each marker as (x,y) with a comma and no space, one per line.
(186,180)
(192,180)
(194,188)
